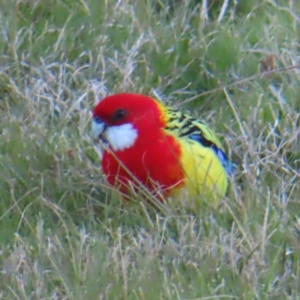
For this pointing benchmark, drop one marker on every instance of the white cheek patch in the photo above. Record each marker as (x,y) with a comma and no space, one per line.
(121,137)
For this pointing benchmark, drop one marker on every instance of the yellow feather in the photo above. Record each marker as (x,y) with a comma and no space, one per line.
(204,170)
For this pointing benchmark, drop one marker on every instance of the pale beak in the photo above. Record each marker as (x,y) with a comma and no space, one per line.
(98,128)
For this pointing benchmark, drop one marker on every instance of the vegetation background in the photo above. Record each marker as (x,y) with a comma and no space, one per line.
(63,234)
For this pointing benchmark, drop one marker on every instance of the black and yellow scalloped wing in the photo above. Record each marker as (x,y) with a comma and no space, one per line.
(203,158)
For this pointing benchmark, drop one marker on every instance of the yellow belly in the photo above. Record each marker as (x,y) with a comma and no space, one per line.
(205,175)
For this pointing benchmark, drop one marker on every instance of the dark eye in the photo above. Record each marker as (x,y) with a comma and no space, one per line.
(119,114)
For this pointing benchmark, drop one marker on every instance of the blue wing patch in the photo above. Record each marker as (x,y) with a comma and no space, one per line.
(226,163)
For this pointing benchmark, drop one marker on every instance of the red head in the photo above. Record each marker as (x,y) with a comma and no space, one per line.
(120,118)
(127,108)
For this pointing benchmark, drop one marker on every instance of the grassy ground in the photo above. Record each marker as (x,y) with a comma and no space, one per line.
(63,235)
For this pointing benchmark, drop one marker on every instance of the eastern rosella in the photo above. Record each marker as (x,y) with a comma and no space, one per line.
(155,146)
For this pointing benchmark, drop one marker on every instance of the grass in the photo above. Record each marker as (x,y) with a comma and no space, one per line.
(64,234)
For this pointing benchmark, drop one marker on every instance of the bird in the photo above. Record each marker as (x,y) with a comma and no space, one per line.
(150,145)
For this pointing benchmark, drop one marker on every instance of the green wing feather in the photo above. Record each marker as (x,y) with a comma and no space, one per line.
(185,126)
